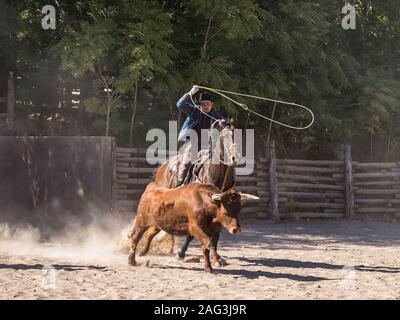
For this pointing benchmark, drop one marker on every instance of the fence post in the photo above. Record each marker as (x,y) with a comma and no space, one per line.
(273,183)
(348,173)
(114,175)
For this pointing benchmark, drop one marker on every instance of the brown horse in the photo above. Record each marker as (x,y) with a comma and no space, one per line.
(218,169)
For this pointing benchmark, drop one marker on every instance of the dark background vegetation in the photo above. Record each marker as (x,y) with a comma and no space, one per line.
(132,60)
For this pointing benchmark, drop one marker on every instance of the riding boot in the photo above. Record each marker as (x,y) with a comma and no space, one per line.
(182,173)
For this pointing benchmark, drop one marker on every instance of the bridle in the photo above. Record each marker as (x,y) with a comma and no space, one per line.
(227,149)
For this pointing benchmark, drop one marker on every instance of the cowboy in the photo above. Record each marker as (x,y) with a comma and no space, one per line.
(196,120)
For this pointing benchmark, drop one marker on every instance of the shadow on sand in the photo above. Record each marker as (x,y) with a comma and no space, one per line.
(65,267)
(249,274)
(287,263)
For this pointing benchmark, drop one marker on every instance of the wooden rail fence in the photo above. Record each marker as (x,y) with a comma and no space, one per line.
(132,173)
(288,188)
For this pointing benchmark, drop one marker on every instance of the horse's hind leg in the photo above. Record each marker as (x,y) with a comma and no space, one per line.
(151,233)
(134,237)
(181,254)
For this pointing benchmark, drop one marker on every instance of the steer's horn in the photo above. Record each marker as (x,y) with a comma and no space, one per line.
(246,196)
(216,196)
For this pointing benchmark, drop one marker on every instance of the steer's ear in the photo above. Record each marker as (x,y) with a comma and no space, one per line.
(217,197)
(246,196)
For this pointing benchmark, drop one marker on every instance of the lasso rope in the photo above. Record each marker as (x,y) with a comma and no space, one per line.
(247,109)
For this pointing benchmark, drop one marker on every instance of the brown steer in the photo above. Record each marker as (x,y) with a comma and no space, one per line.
(195,209)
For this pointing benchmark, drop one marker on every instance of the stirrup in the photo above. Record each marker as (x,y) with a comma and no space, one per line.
(178,184)
(181,181)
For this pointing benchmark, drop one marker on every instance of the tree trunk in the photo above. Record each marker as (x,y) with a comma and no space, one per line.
(133,115)
(180,115)
(204,48)
(387,158)
(371,145)
(108,113)
(170,106)
(82,114)
(10,102)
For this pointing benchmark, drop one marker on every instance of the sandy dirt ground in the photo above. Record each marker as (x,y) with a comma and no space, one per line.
(268,260)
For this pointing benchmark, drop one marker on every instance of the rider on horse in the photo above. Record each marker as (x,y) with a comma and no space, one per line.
(196,120)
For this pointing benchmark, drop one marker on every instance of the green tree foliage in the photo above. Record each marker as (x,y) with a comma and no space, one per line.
(133,59)
(120,44)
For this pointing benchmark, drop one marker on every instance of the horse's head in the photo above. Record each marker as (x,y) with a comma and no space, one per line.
(222,141)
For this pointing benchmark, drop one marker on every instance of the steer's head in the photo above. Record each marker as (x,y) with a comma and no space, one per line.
(229,207)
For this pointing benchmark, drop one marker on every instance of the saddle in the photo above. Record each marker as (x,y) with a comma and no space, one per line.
(194,168)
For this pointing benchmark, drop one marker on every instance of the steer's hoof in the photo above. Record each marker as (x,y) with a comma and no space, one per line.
(220,261)
(208,270)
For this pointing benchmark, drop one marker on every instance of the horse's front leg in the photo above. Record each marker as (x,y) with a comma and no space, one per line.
(181,254)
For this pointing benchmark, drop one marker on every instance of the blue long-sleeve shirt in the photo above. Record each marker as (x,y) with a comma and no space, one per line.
(194,115)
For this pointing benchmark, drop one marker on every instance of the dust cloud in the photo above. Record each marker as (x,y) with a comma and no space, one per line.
(95,236)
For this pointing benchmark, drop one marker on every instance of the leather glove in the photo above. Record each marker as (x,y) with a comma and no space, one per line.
(193,91)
